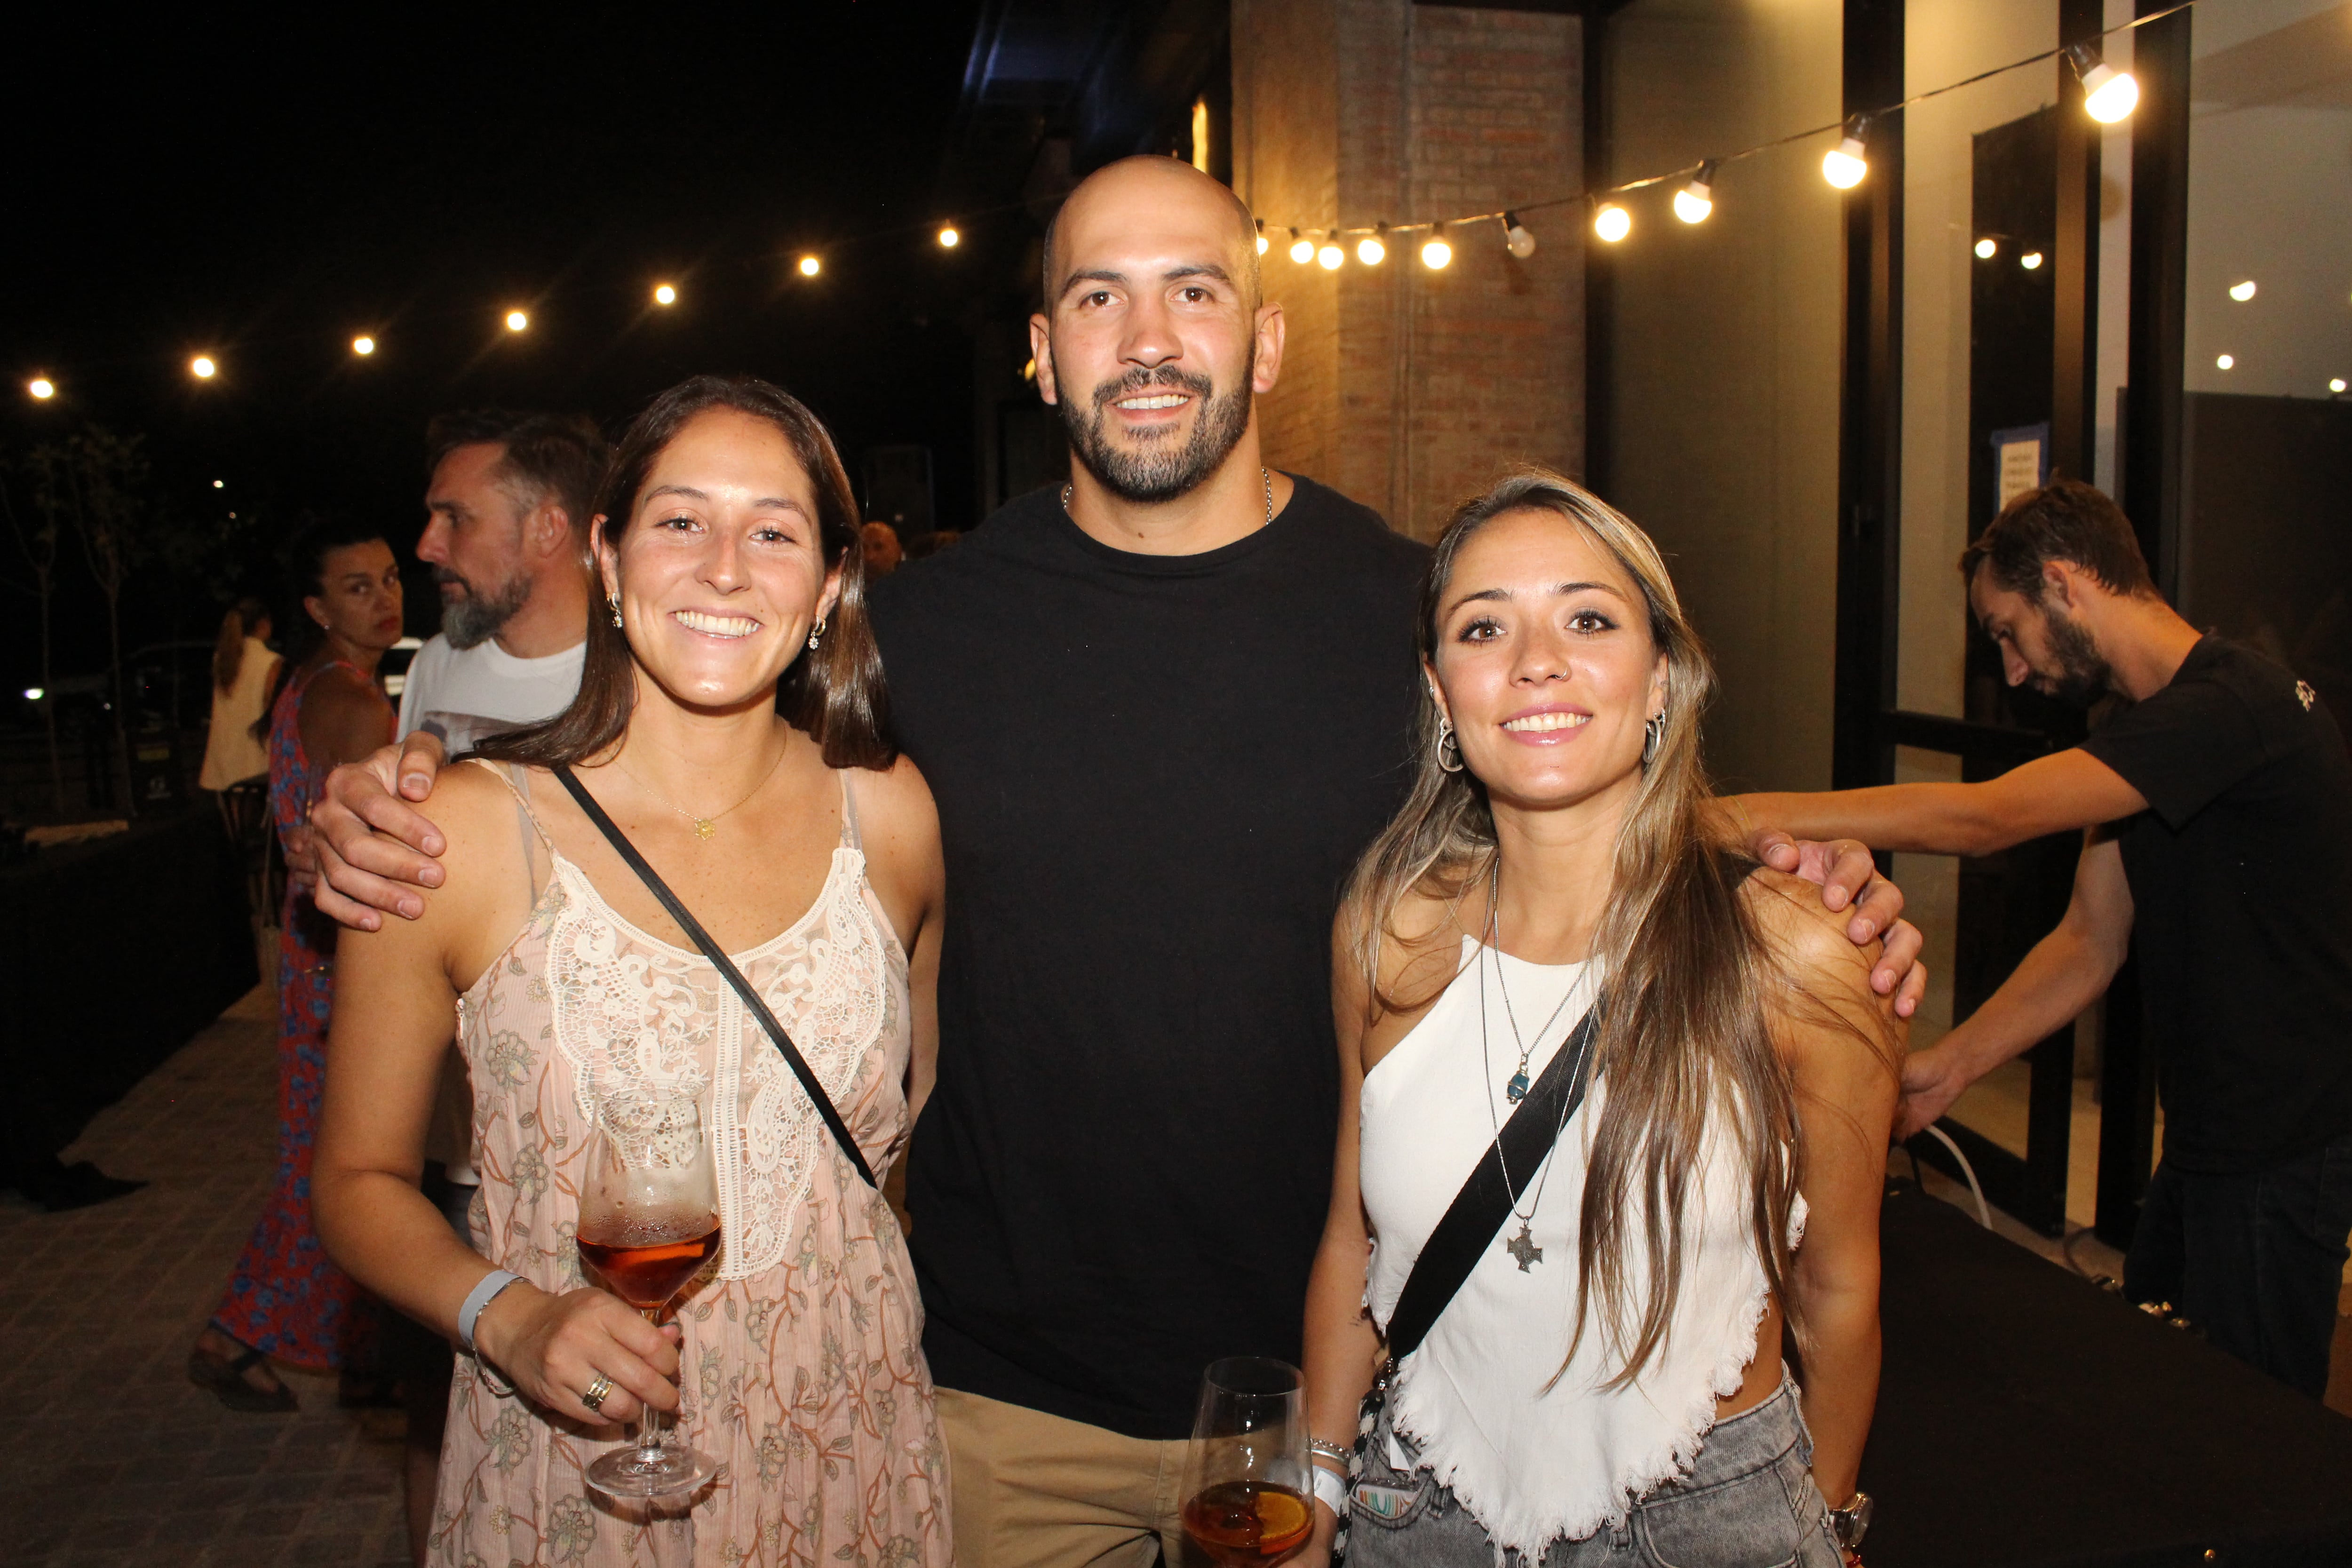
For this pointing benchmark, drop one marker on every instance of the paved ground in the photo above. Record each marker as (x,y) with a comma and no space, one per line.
(119,1458)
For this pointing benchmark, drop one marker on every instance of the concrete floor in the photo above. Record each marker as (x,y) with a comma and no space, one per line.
(119,1460)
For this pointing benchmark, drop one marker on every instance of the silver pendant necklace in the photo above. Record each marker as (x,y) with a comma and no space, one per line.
(1521,1246)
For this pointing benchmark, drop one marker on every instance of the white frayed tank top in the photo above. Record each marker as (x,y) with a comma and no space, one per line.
(1534,1460)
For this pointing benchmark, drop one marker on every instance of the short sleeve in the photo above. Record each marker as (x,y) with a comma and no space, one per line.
(2183,747)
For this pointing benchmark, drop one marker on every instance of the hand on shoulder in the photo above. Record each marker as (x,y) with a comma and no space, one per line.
(1828,992)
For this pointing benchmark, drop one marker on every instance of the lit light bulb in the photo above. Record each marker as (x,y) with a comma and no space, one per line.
(1516,237)
(220,484)
(1330,254)
(2226,361)
(2108,94)
(2242,292)
(1370,250)
(363,346)
(2029,260)
(1695,200)
(1302,250)
(2336,385)
(1263,245)
(948,238)
(41,386)
(34,694)
(810,266)
(664,294)
(202,367)
(1613,222)
(517,321)
(1436,253)
(1844,164)
(1987,249)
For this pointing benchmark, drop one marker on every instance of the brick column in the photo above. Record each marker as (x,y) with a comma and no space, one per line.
(1406,388)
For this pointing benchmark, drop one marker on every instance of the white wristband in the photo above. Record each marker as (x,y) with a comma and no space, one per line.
(1331,1491)
(495,1280)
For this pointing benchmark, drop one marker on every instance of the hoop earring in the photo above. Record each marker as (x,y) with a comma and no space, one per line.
(815,632)
(1652,732)
(614,600)
(1446,744)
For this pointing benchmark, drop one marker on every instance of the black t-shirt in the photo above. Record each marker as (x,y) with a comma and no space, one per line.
(1153,774)
(2240,873)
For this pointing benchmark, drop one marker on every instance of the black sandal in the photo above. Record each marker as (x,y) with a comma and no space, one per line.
(227,1380)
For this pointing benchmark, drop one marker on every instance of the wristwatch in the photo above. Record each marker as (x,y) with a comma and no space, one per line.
(1849,1524)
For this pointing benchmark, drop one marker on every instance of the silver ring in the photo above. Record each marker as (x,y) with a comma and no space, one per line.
(594,1398)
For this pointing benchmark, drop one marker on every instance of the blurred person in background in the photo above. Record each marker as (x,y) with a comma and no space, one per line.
(286,1301)
(931,543)
(878,543)
(243,668)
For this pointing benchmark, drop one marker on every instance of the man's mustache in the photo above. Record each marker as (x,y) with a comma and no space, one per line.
(444,578)
(1140,379)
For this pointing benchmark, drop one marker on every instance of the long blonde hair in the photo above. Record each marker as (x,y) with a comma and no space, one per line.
(1683,1037)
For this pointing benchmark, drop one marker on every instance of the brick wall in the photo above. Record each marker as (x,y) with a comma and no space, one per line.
(1404,387)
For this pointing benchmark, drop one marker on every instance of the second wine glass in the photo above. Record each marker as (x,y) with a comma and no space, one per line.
(648,1224)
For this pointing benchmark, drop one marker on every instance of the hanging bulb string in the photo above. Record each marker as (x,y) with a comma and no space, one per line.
(1685,174)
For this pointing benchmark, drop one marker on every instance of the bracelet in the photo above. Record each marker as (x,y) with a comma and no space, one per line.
(1331,1491)
(1337,1455)
(481,1296)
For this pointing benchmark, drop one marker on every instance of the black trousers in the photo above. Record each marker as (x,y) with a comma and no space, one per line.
(2255,1260)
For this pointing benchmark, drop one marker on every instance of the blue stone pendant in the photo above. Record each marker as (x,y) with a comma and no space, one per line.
(1517,1089)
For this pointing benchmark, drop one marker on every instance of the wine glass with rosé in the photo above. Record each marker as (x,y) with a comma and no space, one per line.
(649,1223)
(1246,1478)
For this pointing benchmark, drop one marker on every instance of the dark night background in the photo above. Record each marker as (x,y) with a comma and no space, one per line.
(264,189)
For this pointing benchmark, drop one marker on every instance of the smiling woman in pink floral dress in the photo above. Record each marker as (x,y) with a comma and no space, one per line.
(728,548)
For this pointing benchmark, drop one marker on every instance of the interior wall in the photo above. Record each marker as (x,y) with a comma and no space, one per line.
(1726,367)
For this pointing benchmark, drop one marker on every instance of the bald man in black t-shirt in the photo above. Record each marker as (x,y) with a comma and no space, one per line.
(2219,806)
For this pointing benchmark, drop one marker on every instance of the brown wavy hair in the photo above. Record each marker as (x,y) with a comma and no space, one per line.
(835,695)
(1682,1036)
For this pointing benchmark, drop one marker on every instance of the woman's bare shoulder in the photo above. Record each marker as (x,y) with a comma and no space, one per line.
(1826,993)
(897,792)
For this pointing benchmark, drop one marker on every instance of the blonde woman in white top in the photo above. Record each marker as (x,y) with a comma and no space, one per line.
(1607,1384)
(244,675)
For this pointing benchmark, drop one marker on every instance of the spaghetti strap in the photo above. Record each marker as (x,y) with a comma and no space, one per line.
(849,815)
(517,782)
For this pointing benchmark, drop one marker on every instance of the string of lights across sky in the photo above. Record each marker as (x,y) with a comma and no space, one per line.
(2109,95)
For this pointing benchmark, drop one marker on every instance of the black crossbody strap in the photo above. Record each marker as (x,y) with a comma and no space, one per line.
(713,952)
(1479,1209)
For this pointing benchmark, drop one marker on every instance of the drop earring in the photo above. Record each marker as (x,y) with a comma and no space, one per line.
(1652,732)
(815,632)
(1447,746)
(614,600)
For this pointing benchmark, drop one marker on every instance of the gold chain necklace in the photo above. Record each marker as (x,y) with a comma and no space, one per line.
(704,826)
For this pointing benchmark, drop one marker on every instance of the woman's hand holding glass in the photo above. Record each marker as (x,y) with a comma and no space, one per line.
(553,1348)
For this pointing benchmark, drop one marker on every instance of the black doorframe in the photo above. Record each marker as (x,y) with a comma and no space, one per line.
(1868,725)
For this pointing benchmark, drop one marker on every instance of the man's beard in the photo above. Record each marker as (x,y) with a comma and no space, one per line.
(1164,471)
(475,616)
(2081,677)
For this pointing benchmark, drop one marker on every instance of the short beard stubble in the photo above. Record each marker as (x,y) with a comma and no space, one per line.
(1164,471)
(2083,676)
(473,619)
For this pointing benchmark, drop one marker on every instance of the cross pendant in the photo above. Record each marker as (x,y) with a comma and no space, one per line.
(1523,1248)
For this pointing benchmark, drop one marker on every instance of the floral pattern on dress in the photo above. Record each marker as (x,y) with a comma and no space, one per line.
(804,1374)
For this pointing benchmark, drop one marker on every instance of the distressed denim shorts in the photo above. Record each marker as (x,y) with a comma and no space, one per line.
(1750,1502)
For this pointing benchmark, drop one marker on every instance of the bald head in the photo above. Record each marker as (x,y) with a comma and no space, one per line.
(1163,196)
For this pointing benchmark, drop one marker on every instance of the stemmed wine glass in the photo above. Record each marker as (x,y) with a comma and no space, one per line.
(1246,1478)
(648,1222)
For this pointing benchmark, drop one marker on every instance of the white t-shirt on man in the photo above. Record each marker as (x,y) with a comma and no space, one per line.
(472,692)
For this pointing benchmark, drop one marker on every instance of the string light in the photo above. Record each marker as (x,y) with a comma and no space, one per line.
(2030,260)
(664,294)
(1435,250)
(1987,249)
(948,238)
(1613,222)
(2227,362)
(2108,94)
(1302,250)
(1516,237)
(1330,255)
(363,346)
(2242,292)
(810,266)
(1844,164)
(1372,250)
(42,387)
(2336,385)
(1695,201)
(202,368)
(517,320)
(220,484)
(1262,244)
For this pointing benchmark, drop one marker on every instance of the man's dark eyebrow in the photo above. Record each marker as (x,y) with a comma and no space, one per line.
(1198,270)
(1105,275)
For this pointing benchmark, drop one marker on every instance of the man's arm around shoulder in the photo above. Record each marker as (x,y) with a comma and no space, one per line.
(2064,792)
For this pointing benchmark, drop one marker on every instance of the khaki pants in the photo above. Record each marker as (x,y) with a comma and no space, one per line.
(1033,1491)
